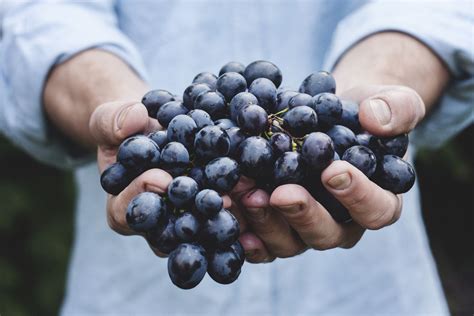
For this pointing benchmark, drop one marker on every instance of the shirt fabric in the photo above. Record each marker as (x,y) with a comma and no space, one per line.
(390,271)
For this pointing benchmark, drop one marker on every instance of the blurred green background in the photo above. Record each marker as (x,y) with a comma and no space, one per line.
(36,226)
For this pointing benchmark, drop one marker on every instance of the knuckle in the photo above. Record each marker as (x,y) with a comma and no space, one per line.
(326,243)
(378,220)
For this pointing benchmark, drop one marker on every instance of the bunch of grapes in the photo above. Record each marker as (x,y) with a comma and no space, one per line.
(242,123)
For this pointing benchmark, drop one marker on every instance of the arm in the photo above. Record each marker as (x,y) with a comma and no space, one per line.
(408,78)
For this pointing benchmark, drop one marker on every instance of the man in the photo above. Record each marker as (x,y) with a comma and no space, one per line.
(72,77)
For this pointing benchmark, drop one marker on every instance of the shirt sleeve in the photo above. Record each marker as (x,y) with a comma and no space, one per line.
(36,37)
(447,29)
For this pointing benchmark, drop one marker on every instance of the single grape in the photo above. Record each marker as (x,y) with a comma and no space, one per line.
(206,77)
(342,137)
(236,136)
(159,137)
(265,92)
(288,169)
(252,119)
(394,174)
(197,173)
(396,145)
(222,174)
(211,142)
(164,241)
(300,121)
(115,178)
(365,139)
(208,203)
(146,211)
(187,265)
(168,111)
(225,123)
(182,191)
(350,115)
(174,158)
(138,153)
(186,227)
(154,99)
(263,69)
(213,103)
(362,158)
(220,231)
(283,100)
(255,157)
(318,82)
(201,118)
(230,84)
(238,250)
(239,101)
(224,266)
(192,92)
(317,151)
(232,66)
(299,100)
(328,107)
(280,143)
(182,128)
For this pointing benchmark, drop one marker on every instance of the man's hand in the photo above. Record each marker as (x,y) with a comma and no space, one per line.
(381,73)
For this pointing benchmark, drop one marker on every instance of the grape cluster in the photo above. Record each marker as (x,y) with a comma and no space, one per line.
(242,123)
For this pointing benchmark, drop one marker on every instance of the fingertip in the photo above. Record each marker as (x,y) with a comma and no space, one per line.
(255,250)
(131,120)
(289,196)
(255,199)
(227,202)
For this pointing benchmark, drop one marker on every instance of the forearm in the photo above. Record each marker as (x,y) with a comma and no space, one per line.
(75,88)
(393,58)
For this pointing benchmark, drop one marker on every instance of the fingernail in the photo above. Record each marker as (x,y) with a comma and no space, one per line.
(123,115)
(340,182)
(381,111)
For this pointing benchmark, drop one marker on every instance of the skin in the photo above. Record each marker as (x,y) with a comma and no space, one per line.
(94,99)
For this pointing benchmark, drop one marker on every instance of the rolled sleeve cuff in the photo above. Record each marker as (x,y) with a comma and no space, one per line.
(34,43)
(442,27)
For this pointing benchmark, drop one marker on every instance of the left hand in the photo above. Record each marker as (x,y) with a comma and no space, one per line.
(290,220)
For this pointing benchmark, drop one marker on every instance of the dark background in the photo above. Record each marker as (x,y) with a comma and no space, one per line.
(36,226)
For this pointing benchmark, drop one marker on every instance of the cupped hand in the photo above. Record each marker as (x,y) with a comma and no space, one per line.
(290,220)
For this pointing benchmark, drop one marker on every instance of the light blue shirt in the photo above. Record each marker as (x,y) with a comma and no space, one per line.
(166,42)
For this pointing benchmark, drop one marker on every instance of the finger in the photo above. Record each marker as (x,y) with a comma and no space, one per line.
(387,110)
(311,220)
(242,187)
(153,180)
(270,226)
(369,205)
(255,251)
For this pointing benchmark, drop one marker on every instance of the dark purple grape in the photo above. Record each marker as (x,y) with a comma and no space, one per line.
(138,153)
(365,139)
(182,191)
(280,143)
(187,265)
(263,69)
(362,158)
(168,111)
(213,103)
(201,118)
(159,137)
(318,82)
(224,266)
(283,100)
(239,101)
(232,66)
(225,124)
(288,169)
(220,231)
(208,203)
(197,173)
(238,250)
(394,174)
(317,151)
(174,158)
(211,142)
(192,92)
(265,92)
(164,241)
(154,99)
(236,136)
(342,137)
(350,115)
(230,84)
(252,119)
(299,100)
(206,77)
(255,157)
(300,121)
(186,227)
(397,145)
(222,174)
(115,178)
(146,211)
(182,128)
(328,107)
